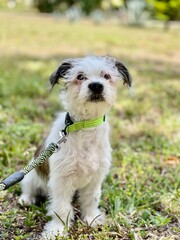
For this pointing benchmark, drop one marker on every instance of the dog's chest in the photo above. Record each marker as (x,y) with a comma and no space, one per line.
(89,152)
(85,155)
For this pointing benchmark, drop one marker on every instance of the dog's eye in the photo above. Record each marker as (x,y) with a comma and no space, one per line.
(107,76)
(81,77)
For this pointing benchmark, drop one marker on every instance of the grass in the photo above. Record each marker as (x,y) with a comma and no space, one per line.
(141,193)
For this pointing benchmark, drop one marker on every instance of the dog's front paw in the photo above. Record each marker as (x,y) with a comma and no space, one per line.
(26,200)
(95,219)
(52,230)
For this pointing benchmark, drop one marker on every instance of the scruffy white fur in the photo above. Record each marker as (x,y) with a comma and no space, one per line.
(84,160)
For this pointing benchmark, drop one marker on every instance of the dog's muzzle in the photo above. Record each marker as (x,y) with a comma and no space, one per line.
(96,90)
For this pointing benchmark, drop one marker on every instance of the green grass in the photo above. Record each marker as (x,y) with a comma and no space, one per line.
(141,194)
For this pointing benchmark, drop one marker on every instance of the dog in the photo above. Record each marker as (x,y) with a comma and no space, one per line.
(90,86)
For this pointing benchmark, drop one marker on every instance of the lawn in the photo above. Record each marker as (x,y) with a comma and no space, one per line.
(141,194)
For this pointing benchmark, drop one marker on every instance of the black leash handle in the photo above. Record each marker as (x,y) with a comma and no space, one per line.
(11,180)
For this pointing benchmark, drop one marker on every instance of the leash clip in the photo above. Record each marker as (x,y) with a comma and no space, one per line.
(63,139)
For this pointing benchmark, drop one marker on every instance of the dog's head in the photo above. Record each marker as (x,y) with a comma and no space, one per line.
(90,84)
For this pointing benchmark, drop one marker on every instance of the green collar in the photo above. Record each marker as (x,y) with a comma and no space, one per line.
(76,126)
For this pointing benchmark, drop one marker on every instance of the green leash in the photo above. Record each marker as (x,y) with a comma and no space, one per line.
(18,176)
(52,148)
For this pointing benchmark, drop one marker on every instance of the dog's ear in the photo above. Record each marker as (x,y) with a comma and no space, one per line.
(60,72)
(124,72)
(121,69)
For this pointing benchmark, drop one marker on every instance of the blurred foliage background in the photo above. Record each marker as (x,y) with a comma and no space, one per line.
(132,11)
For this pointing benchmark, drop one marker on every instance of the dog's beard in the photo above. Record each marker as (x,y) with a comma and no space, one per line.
(94,97)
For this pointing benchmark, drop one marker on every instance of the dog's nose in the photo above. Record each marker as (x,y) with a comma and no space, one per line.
(96,87)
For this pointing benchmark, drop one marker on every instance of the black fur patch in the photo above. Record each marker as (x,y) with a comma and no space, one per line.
(124,72)
(60,73)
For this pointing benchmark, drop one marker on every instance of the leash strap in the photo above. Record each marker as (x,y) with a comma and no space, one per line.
(18,176)
(41,159)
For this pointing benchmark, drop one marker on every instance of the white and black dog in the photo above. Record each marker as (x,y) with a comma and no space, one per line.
(84,159)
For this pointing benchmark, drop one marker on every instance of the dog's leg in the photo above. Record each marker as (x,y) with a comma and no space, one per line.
(60,208)
(89,200)
(30,186)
